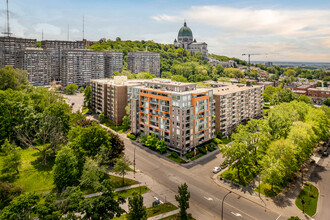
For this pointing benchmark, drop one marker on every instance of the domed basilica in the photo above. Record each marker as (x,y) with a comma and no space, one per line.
(186,41)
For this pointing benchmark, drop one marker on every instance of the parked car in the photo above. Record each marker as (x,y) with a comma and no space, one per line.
(216,169)
(325,153)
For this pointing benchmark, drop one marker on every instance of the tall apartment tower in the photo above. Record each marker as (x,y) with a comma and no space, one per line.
(175,112)
(113,61)
(144,62)
(111,96)
(80,66)
(36,62)
(56,47)
(9,46)
(235,104)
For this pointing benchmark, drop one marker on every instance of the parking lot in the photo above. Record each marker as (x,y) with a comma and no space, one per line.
(77,99)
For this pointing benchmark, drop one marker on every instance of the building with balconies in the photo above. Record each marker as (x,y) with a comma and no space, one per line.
(235,104)
(37,63)
(175,112)
(144,61)
(111,96)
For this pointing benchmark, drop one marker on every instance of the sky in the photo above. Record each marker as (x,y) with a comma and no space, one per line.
(278,30)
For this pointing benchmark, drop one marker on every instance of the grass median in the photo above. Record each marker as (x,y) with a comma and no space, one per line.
(310,194)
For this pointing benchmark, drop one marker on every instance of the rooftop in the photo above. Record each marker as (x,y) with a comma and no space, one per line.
(327,89)
(234,88)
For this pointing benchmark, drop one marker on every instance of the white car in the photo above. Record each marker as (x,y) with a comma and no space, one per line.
(216,169)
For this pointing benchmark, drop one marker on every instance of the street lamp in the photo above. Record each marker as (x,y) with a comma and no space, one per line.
(222,204)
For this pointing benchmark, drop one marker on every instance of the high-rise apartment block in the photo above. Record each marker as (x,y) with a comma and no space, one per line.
(113,61)
(9,46)
(56,47)
(36,62)
(176,112)
(80,66)
(144,62)
(235,104)
(111,96)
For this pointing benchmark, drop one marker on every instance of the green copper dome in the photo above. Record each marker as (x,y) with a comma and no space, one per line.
(185,31)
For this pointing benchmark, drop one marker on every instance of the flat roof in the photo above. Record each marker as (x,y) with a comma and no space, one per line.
(233,88)
(327,89)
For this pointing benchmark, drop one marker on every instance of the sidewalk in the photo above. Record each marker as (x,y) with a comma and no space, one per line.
(283,203)
(116,190)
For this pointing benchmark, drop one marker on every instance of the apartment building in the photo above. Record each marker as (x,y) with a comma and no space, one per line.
(176,112)
(111,96)
(56,47)
(36,62)
(319,94)
(235,104)
(79,66)
(113,61)
(9,46)
(144,62)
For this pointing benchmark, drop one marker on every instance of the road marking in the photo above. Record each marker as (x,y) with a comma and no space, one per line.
(208,198)
(279,217)
(236,214)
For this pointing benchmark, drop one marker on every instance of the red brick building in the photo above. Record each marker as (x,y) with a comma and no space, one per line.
(319,94)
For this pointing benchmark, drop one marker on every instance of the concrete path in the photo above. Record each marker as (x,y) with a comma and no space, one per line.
(116,190)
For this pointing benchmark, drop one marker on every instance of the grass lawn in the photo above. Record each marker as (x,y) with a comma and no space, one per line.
(159,209)
(33,177)
(176,217)
(231,174)
(129,192)
(118,181)
(119,128)
(177,160)
(153,211)
(267,190)
(310,194)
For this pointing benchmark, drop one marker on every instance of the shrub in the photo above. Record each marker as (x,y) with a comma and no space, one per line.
(175,154)
(131,136)
(202,150)
(216,141)
(189,155)
(210,148)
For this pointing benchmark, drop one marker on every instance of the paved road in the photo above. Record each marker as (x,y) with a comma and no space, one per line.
(77,99)
(205,202)
(321,176)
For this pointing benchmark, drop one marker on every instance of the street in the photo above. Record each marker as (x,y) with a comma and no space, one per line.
(206,196)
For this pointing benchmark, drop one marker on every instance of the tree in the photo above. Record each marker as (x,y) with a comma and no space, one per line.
(71,89)
(136,208)
(21,207)
(61,112)
(11,78)
(12,161)
(87,96)
(65,169)
(92,175)
(127,117)
(327,102)
(283,95)
(108,155)
(87,141)
(151,141)
(161,146)
(304,98)
(42,135)
(179,78)
(104,206)
(121,166)
(46,208)
(7,193)
(183,200)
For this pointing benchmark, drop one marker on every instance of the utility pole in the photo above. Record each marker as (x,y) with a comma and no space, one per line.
(83,31)
(42,34)
(134,161)
(68,34)
(7,28)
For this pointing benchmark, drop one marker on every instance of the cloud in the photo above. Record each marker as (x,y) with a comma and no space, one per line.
(285,32)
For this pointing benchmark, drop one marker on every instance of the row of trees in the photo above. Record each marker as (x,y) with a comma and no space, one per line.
(277,95)
(153,143)
(278,144)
